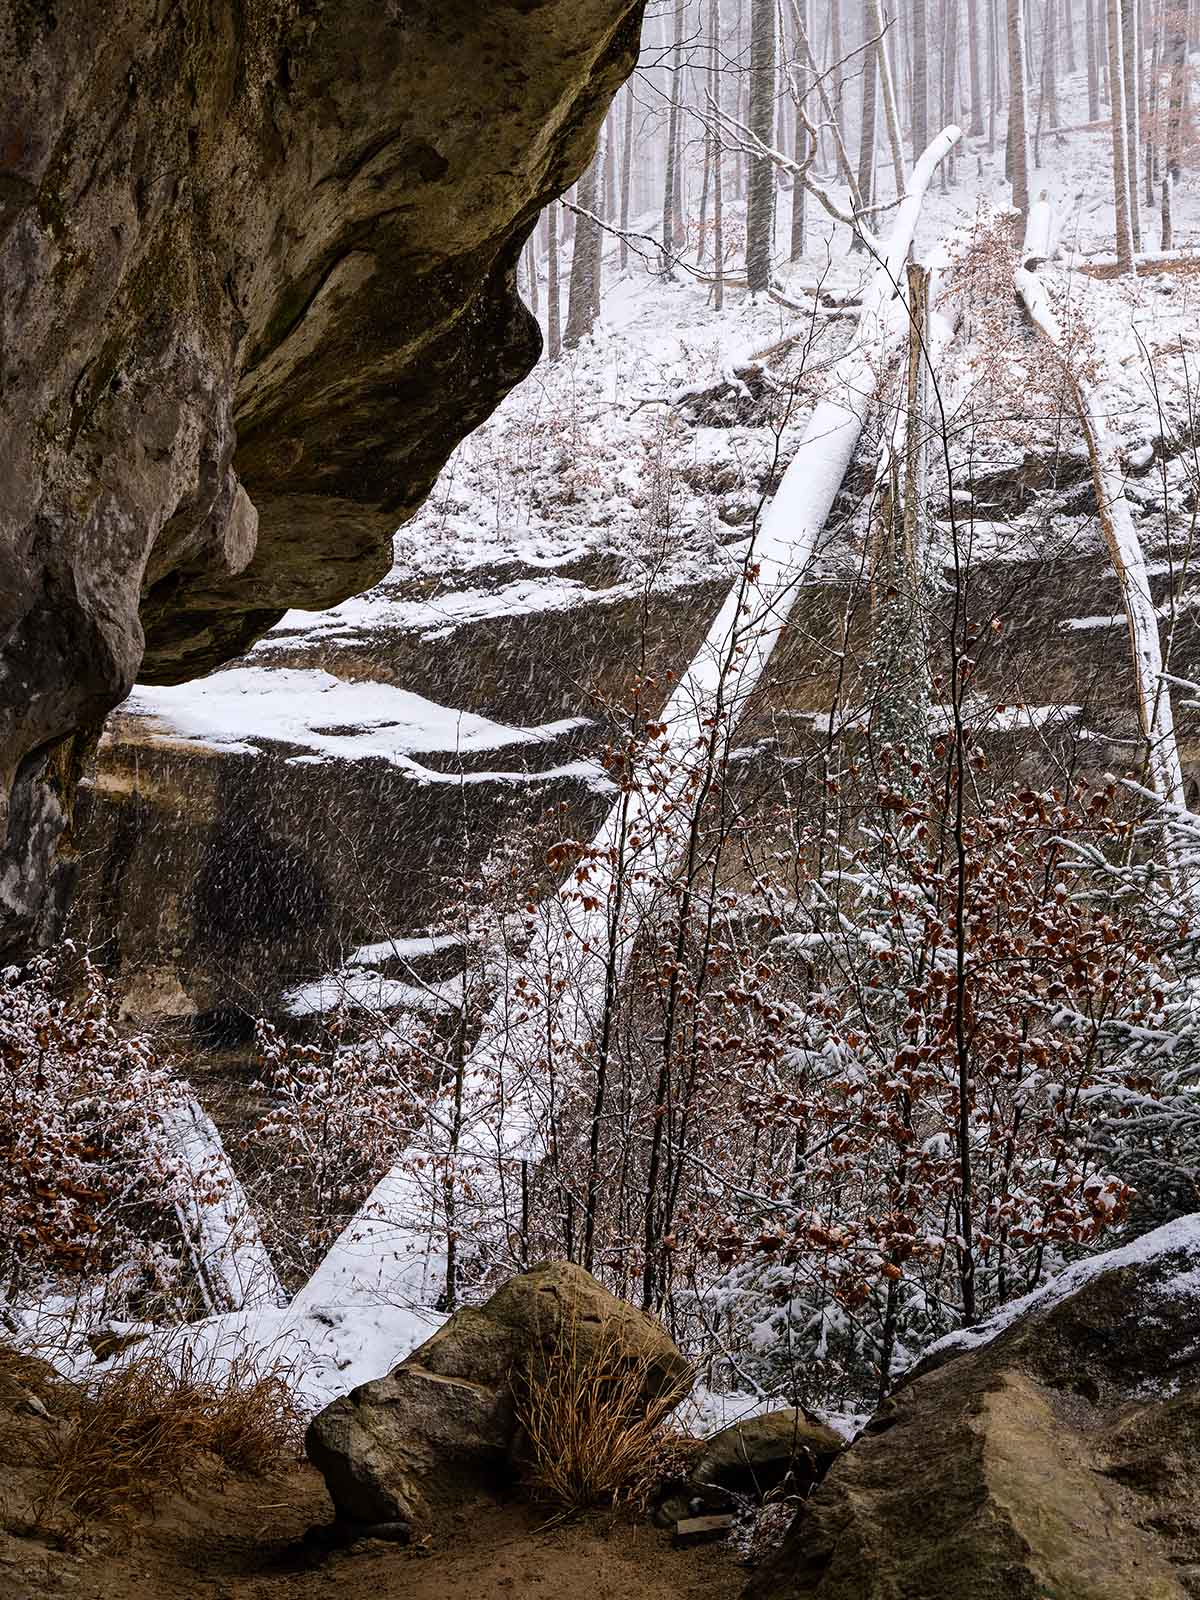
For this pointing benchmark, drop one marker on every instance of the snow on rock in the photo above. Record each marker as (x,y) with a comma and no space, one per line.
(334,719)
(1172,1253)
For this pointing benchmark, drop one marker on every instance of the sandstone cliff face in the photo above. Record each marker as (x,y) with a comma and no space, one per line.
(257,261)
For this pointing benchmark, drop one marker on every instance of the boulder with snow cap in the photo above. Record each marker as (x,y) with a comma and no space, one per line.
(438,1432)
(1052,1451)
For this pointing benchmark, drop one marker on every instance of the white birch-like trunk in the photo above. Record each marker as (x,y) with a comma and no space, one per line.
(1129,562)
(1018,107)
(891,116)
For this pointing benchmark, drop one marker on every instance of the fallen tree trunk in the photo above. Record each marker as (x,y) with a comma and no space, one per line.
(582,938)
(233,1267)
(1129,562)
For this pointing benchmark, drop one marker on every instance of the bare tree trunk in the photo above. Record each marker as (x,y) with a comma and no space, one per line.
(975,126)
(609,210)
(531,276)
(583,296)
(993,72)
(866,137)
(949,66)
(1167,235)
(1068,19)
(1050,62)
(718,197)
(670,223)
(1018,107)
(1116,78)
(835,59)
(920,60)
(553,327)
(760,202)
(1093,61)
(1177,51)
(626,176)
(1151,122)
(799,192)
(1130,63)
(832,123)
(887,83)
(596,232)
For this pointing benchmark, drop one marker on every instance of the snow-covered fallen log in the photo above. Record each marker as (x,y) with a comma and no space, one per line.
(582,938)
(231,1261)
(1125,547)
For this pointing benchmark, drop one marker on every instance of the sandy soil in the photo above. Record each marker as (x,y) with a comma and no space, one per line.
(234,1539)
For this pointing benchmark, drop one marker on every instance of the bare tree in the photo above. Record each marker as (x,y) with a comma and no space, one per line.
(975,126)
(1131,71)
(920,76)
(1018,108)
(583,297)
(1093,61)
(1120,149)
(670,222)
(800,139)
(866,138)
(626,175)
(760,200)
(887,84)
(717,138)
(553,323)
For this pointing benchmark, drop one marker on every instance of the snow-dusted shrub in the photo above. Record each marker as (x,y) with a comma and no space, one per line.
(1144,1112)
(337,1117)
(87,1188)
(919,1142)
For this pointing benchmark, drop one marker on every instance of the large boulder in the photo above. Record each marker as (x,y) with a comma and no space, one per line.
(440,1430)
(1050,1453)
(259,266)
(749,1460)
(755,1456)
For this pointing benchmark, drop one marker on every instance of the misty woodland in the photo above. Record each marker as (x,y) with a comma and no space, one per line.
(600,799)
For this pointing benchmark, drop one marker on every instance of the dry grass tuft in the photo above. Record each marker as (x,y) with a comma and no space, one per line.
(591,1437)
(140,1430)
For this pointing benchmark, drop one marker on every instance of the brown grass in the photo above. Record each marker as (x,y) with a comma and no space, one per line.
(24,1376)
(140,1430)
(592,1438)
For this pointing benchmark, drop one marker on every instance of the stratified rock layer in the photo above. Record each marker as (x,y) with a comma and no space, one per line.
(257,260)
(1060,1459)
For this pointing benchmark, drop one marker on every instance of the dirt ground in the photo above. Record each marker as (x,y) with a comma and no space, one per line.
(240,1539)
